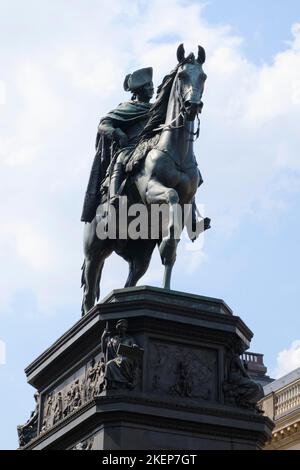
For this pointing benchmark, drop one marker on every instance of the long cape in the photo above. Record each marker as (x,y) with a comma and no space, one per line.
(127,112)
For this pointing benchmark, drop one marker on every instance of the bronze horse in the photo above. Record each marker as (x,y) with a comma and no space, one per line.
(168,174)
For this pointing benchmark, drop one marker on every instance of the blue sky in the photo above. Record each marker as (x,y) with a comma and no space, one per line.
(265,25)
(62,68)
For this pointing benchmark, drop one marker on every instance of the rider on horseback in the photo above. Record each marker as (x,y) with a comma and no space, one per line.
(126,133)
(117,136)
(157,142)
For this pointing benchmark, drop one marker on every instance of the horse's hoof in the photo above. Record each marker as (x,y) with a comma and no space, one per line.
(207,221)
(207,225)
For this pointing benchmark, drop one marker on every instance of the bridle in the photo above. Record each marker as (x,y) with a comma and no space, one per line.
(182,113)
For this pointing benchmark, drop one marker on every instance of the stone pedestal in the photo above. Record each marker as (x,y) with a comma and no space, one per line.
(177,400)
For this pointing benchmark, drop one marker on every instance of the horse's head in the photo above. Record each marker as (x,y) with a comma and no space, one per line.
(190,81)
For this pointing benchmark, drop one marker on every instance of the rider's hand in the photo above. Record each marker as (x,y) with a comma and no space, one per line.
(121,138)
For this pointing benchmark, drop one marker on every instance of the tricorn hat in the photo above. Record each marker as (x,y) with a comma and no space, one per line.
(134,81)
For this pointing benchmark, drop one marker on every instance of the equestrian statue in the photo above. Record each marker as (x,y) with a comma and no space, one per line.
(144,153)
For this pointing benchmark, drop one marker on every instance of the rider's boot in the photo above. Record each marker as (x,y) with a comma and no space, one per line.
(115,183)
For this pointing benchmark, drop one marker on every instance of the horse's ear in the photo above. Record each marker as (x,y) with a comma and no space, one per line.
(180,53)
(201,55)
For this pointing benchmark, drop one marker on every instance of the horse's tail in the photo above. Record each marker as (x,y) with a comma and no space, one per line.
(83,275)
(83,284)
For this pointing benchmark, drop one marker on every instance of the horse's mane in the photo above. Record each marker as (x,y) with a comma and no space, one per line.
(158,110)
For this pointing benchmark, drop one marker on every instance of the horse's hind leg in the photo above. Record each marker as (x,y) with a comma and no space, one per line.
(91,275)
(96,251)
(139,261)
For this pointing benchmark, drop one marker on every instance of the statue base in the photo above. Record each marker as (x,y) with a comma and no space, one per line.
(178,399)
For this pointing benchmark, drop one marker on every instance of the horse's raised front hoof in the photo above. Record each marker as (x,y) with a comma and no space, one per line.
(167,250)
(207,223)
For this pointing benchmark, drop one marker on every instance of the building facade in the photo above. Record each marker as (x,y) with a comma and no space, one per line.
(282,405)
(256,368)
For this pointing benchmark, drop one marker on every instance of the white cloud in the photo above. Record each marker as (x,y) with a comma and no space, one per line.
(86,72)
(37,110)
(35,248)
(276,87)
(288,359)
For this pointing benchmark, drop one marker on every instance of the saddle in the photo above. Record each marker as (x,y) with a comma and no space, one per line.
(131,164)
(140,152)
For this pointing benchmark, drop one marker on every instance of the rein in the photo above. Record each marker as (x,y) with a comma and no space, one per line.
(169,126)
(181,113)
